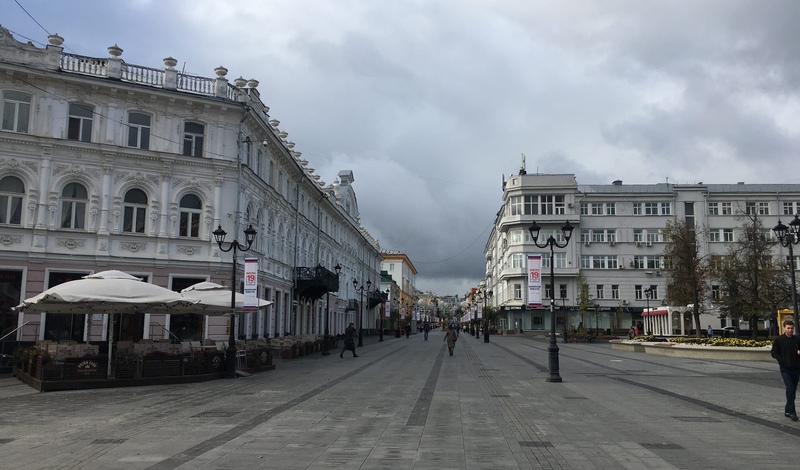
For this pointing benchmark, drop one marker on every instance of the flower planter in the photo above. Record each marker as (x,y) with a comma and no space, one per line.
(161,365)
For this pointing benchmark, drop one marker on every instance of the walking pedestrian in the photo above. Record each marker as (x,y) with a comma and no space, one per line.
(631,332)
(786,350)
(426,327)
(408,331)
(710,331)
(349,341)
(451,336)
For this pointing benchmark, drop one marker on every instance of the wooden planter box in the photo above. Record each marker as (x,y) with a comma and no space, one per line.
(289,353)
(90,367)
(161,365)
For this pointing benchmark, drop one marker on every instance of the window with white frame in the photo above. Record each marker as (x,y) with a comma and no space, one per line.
(647,262)
(715,292)
(727,235)
(763,208)
(584,208)
(12,190)
(517,291)
(73,206)
(516,260)
(790,208)
(611,208)
(79,125)
(795,264)
(600,292)
(713,208)
(561,260)
(586,236)
(615,291)
(139,130)
(191,209)
(193,137)
(596,208)
(750,208)
(516,237)
(726,208)
(599,262)
(531,205)
(16,111)
(134,214)
(515,205)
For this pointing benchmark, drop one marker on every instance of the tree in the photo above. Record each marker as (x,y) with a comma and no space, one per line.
(755,282)
(687,271)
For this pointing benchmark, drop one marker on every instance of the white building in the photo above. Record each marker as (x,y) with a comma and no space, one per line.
(110,165)
(617,244)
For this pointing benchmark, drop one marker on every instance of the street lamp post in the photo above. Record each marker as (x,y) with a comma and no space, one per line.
(326,346)
(788,236)
(552,348)
(648,294)
(564,313)
(361,310)
(381,316)
(219,237)
(484,296)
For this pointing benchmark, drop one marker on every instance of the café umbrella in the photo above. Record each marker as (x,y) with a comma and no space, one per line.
(214,299)
(112,292)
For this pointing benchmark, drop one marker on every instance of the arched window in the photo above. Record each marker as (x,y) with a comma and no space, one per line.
(135,211)
(73,206)
(16,111)
(191,209)
(11,193)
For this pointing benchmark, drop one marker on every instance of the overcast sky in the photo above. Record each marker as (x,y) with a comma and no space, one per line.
(430,102)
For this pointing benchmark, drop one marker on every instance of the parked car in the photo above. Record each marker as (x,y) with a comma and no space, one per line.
(730,331)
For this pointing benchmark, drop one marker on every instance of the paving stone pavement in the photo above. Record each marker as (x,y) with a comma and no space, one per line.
(406,404)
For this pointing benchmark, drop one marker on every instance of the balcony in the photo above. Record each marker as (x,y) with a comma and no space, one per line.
(313,283)
(376,297)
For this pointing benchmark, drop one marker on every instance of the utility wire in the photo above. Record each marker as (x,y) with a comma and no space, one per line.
(31,17)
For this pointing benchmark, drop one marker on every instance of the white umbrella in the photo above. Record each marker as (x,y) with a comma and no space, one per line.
(214,299)
(106,292)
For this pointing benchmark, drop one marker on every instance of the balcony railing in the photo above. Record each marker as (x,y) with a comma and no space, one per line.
(313,283)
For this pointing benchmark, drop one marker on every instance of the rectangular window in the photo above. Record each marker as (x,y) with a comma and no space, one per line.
(548,291)
(611,208)
(788,208)
(561,260)
(517,260)
(600,292)
(16,111)
(531,205)
(750,208)
(139,131)
(638,235)
(561,206)
(597,208)
(714,236)
(763,208)
(666,208)
(193,139)
(713,208)
(79,126)
(638,293)
(516,236)
(586,236)
(650,208)
(515,204)
(546,204)
(615,291)
(517,291)
(562,291)
(727,208)
(584,208)
(134,218)
(727,235)
(714,292)
(637,208)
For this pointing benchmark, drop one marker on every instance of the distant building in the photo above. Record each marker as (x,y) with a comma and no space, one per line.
(617,245)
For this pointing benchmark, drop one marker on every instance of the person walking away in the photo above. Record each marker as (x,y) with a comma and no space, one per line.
(631,332)
(786,350)
(426,328)
(408,331)
(451,336)
(349,340)
(710,331)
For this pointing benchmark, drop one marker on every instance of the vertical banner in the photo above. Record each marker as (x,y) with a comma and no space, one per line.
(534,281)
(250,284)
(386,307)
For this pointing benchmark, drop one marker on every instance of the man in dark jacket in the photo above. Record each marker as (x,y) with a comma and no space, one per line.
(349,340)
(786,350)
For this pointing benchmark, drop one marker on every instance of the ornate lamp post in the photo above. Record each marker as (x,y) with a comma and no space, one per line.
(552,348)
(326,346)
(483,297)
(361,310)
(596,320)
(219,237)
(788,236)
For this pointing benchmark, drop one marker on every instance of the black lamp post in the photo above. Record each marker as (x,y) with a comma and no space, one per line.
(552,348)
(648,294)
(788,236)
(484,296)
(219,236)
(564,313)
(380,316)
(326,347)
(361,310)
